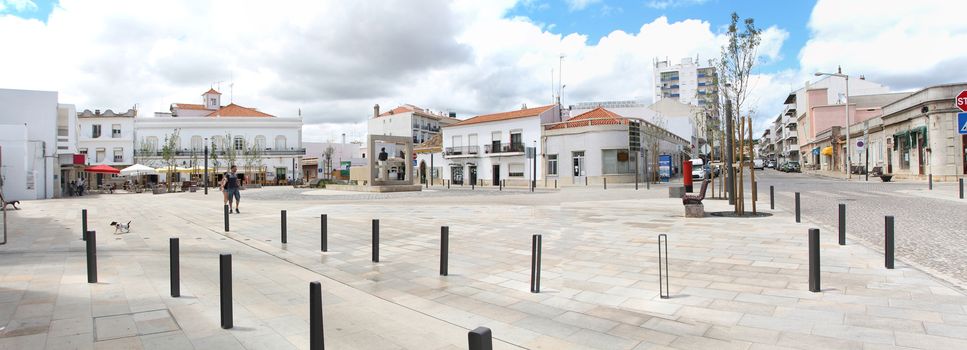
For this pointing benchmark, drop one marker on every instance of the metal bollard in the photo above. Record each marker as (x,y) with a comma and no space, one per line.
(501,184)
(755,192)
(814,260)
(842,224)
(555,185)
(961,188)
(226,217)
(444,250)
(930,180)
(284,240)
(225,292)
(664,290)
(325,232)
(375,240)
(797,208)
(91,257)
(772,197)
(317,340)
(536,264)
(480,339)
(605,183)
(175,267)
(585,181)
(888,243)
(448,184)
(84,223)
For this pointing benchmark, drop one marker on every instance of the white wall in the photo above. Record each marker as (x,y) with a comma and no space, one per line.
(530,128)
(36,112)
(106,140)
(590,140)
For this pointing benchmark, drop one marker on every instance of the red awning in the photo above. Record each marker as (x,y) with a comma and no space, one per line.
(104,169)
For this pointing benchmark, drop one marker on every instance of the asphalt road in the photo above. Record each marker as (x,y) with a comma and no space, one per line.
(931,226)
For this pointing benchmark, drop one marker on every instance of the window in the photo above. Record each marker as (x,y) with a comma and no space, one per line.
(280,142)
(515,170)
(95,131)
(116,131)
(212,102)
(118,155)
(616,161)
(516,142)
(260,142)
(82,151)
(551,164)
(239,143)
(457,141)
(472,140)
(196,142)
(99,155)
(152,143)
(217,142)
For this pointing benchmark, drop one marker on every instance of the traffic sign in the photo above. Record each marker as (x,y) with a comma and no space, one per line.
(962,123)
(860,144)
(962,100)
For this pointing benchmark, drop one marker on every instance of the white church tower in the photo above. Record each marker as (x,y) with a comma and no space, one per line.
(213,99)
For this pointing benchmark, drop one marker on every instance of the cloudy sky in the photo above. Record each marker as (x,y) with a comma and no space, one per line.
(335,59)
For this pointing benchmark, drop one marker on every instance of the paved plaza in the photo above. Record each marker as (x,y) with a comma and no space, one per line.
(736,283)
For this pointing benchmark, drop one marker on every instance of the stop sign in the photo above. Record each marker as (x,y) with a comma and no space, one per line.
(962,101)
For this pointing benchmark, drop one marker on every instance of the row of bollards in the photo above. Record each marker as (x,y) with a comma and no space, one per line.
(814,260)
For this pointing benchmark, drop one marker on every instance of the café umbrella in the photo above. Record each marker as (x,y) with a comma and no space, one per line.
(138,169)
(101,169)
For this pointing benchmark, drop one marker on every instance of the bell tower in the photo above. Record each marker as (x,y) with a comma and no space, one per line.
(213,99)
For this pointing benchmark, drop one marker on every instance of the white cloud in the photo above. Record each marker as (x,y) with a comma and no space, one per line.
(904,45)
(577,5)
(334,60)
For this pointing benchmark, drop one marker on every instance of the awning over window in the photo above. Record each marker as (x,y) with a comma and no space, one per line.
(827,151)
(908,138)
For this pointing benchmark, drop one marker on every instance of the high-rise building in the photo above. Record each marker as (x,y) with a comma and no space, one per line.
(687,82)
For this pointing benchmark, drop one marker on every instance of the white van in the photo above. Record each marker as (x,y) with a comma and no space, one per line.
(759,164)
(698,169)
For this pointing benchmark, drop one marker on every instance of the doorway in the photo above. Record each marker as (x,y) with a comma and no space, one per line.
(456,175)
(495,175)
(473,174)
(577,165)
(279,176)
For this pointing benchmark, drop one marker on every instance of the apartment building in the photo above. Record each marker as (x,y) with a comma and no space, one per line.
(688,82)
(107,138)
(409,120)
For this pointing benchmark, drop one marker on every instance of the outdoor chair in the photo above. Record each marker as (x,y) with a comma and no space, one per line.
(696,199)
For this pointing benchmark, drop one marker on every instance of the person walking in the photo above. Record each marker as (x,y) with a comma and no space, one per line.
(230,185)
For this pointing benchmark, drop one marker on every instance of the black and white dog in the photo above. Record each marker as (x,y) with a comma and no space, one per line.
(11,203)
(121,228)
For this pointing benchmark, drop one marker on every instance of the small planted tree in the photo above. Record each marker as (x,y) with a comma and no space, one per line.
(169,155)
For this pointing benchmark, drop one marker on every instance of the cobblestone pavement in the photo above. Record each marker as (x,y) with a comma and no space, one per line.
(930,226)
(735,283)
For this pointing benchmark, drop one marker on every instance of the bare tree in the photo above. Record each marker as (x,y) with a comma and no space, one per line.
(739,57)
(327,160)
(169,154)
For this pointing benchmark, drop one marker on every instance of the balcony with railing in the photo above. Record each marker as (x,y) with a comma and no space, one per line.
(461,151)
(498,147)
(239,153)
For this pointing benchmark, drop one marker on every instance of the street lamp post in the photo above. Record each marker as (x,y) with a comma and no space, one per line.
(849,154)
(206,166)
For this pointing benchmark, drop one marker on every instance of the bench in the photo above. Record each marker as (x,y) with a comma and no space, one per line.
(696,199)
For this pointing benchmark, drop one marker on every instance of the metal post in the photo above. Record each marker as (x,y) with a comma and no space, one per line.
(605,183)
(91,257)
(585,181)
(448,184)
(480,339)
(961,188)
(814,260)
(930,181)
(375,240)
(444,250)
(431,168)
(316,331)
(536,264)
(324,226)
(663,289)
(842,224)
(225,283)
(206,166)
(284,241)
(555,186)
(888,242)
(772,197)
(226,217)
(797,208)
(175,268)
(84,223)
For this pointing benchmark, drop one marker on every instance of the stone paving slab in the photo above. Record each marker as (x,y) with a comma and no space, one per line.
(735,282)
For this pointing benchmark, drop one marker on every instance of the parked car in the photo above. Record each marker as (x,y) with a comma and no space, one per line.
(791,167)
(759,164)
(698,169)
(771,164)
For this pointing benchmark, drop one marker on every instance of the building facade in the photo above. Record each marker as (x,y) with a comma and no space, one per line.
(265,148)
(488,149)
(687,82)
(409,120)
(106,138)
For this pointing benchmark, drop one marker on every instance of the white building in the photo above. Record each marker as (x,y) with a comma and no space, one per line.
(314,165)
(35,139)
(600,144)
(107,138)
(489,148)
(687,82)
(408,120)
(676,117)
(266,148)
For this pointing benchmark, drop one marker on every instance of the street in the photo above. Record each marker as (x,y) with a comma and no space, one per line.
(930,225)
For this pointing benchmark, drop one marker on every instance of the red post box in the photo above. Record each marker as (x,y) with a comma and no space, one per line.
(687,175)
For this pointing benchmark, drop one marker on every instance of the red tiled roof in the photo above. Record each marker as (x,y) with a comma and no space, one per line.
(523,113)
(234,110)
(190,106)
(597,116)
(397,110)
(211,91)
